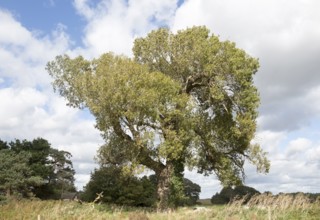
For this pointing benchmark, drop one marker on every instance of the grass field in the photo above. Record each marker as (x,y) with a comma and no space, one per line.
(262,207)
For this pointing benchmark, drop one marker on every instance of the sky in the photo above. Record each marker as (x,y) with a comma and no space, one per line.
(284,35)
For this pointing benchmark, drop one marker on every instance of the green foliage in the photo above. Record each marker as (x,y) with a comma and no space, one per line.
(61,179)
(185,99)
(184,192)
(34,168)
(192,191)
(177,196)
(227,194)
(3,145)
(118,188)
(15,174)
(125,189)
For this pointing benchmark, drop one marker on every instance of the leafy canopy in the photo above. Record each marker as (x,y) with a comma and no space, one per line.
(185,98)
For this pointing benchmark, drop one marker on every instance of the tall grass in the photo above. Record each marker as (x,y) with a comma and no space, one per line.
(283,206)
(259,207)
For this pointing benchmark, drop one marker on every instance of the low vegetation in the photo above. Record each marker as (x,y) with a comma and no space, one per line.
(262,206)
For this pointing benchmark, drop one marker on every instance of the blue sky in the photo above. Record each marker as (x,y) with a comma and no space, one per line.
(283,35)
(43,16)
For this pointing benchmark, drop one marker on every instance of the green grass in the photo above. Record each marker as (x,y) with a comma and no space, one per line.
(205,202)
(271,208)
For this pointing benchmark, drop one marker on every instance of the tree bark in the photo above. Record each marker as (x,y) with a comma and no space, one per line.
(163,188)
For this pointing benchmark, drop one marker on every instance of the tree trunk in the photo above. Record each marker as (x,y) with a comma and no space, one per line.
(163,187)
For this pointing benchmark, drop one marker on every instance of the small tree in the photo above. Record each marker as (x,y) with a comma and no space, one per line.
(186,99)
(3,145)
(50,170)
(62,175)
(192,191)
(15,175)
(119,188)
(228,194)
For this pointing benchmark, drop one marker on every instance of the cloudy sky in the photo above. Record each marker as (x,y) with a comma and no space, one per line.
(284,35)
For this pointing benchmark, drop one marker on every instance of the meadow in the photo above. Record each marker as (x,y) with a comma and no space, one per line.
(259,207)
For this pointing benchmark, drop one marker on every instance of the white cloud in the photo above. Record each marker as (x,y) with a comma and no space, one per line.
(17,35)
(113,25)
(294,167)
(81,180)
(270,141)
(248,21)
(23,54)
(28,108)
(313,155)
(28,113)
(298,147)
(84,8)
(16,105)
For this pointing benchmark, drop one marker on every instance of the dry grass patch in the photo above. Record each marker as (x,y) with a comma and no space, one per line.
(259,207)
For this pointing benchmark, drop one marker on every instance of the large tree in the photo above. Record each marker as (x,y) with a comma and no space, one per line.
(185,99)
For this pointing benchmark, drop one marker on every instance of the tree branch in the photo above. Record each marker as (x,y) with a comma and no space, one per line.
(144,155)
(119,131)
(192,82)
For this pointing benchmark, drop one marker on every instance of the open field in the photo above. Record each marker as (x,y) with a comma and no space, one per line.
(267,207)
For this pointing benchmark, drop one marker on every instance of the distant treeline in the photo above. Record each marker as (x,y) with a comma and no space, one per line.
(125,189)
(228,194)
(34,169)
